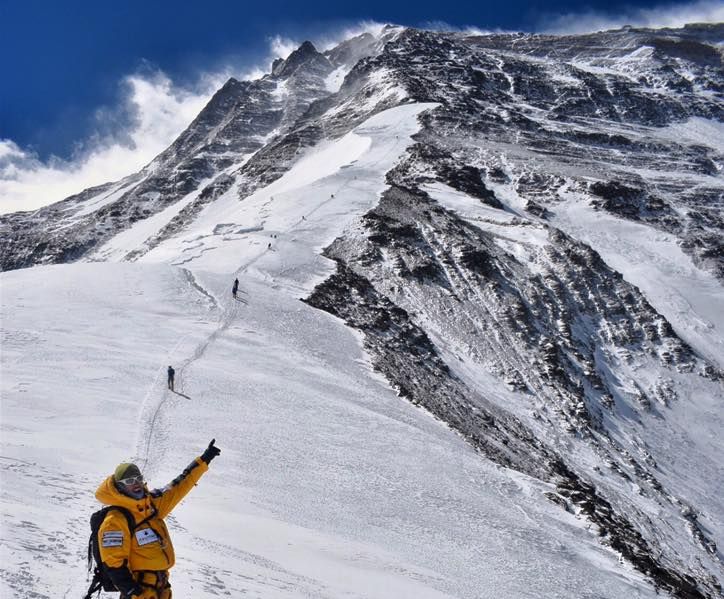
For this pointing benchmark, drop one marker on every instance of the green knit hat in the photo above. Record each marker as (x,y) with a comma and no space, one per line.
(125,470)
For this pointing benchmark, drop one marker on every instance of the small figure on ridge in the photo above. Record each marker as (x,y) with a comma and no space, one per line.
(171,375)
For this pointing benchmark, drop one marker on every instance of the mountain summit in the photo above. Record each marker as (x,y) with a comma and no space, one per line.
(524,232)
(306,56)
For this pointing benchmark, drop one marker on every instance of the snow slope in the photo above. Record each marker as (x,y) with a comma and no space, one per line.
(328,484)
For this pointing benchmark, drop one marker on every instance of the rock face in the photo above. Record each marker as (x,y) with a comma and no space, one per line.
(581,373)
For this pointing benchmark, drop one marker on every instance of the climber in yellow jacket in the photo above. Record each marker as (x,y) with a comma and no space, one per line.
(138,560)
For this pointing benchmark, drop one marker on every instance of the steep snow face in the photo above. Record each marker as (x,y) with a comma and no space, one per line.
(328,483)
(539,269)
(562,361)
(688,297)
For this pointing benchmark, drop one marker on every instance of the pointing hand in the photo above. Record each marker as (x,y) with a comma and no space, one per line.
(210,452)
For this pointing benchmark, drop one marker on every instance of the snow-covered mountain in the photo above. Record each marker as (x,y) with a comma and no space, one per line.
(518,235)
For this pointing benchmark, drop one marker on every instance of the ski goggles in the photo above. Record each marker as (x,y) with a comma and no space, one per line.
(132,480)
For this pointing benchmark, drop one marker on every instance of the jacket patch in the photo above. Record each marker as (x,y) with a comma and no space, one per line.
(112,538)
(146,536)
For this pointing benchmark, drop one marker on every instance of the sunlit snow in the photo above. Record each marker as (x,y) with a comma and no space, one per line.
(328,484)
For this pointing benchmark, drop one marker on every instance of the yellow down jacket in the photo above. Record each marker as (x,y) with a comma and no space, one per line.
(149,546)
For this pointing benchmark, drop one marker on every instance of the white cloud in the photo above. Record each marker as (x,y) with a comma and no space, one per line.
(470,30)
(159,112)
(665,15)
(282,47)
(474,31)
(328,40)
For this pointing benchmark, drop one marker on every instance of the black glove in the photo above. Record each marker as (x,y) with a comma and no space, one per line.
(123,581)
(210,452)
(136,591)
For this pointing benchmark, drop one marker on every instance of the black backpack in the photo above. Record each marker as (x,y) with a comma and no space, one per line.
(101,581)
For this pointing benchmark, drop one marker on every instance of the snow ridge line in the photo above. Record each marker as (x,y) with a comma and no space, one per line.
(192,281)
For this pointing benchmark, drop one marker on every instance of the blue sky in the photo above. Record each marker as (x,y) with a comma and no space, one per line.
(79,77)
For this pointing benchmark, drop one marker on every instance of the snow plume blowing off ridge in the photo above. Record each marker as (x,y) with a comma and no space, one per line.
(666,15)
(159,112)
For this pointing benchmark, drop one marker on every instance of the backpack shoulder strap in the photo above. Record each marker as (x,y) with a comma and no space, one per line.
(132,524)
(129,516)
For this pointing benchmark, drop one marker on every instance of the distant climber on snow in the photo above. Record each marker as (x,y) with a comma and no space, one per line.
(133,543)
(235,288)
(171,375)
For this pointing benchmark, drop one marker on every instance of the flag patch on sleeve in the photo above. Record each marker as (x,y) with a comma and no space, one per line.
(112,538)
